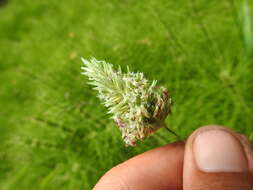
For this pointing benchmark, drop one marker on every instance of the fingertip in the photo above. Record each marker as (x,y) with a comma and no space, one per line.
(215,158)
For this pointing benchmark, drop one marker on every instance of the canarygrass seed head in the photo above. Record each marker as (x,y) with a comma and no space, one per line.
(138,107)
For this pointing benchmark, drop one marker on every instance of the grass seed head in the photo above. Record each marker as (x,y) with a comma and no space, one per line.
(138,107)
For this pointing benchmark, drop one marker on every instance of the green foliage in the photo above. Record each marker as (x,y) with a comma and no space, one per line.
(53,132)
(247,27)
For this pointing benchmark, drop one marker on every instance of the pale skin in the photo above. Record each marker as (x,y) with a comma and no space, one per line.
(175,167)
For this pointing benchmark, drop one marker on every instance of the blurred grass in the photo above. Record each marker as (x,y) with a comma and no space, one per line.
(247,27)
(53,132)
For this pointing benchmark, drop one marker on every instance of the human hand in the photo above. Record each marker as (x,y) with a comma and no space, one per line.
(213,158)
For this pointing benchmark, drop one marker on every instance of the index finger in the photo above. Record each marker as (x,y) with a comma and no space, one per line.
(160,169)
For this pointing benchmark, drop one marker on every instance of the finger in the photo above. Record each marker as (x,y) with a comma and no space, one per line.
(248,148)
(216,158)
(160,169)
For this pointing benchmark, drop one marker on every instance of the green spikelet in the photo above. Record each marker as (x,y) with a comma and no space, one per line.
(138,106)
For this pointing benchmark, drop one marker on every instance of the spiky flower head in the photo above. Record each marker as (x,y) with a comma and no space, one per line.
(138,107)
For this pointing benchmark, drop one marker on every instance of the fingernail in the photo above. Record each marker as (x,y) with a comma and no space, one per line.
(219,151)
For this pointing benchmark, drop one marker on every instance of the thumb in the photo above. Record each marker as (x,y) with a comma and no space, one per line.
(217,158)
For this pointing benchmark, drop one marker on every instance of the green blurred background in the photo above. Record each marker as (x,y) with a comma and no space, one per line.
(54,134)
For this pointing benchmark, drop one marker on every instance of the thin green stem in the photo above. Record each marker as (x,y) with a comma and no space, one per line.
(171,131)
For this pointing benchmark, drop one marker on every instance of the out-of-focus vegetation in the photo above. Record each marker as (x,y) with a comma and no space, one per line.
(53,132)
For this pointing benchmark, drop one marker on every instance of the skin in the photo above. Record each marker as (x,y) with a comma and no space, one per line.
(173,167)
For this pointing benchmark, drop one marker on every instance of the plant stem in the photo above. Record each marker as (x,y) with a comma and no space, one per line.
(174,133)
